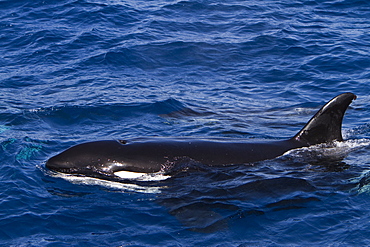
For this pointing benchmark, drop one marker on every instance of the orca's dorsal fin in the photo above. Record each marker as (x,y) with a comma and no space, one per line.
(326,125)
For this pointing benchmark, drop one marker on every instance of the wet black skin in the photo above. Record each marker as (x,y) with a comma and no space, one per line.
(103,158)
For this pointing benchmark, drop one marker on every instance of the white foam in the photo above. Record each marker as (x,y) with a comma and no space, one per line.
(331,150)
(354,143)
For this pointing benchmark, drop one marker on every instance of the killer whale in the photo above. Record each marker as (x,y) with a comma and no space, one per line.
(117,159)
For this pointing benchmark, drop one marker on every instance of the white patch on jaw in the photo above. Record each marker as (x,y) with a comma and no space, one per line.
(129,175)
(157,176)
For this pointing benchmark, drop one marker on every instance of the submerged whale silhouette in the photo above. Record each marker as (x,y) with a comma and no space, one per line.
(114,160)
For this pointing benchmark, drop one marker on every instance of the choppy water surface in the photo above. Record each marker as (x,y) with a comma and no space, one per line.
(76,71)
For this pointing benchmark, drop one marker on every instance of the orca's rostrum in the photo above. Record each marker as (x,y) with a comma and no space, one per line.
(133,158)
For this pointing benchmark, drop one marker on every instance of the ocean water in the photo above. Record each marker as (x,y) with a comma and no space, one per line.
(73,71)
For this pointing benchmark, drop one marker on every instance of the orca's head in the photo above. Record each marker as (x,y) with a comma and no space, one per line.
(94,159)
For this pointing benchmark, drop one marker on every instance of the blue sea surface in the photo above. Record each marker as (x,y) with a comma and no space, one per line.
(73,71)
